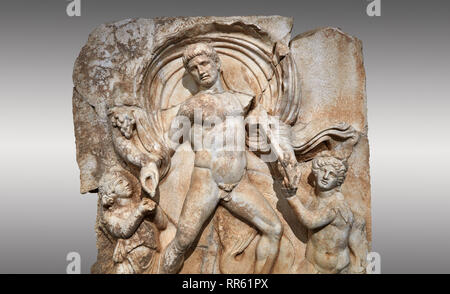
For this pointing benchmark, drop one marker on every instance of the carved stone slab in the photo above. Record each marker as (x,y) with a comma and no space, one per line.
(295,199)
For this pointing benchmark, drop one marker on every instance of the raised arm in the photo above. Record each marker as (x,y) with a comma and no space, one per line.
(311,219)
(278,136)
(140,138)
(129,151)
(125,138)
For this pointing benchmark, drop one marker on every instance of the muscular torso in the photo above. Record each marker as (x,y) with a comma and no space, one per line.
(327,247)
(218,135)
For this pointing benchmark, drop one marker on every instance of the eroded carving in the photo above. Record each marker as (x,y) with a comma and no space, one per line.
(219,175)
(124,214)
(334,230)
(195,134)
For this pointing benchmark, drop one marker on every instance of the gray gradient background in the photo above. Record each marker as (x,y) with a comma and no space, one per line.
(42,214)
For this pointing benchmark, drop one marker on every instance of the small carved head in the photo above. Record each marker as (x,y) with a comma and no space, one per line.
(202,62)
(114,185)
(329,172)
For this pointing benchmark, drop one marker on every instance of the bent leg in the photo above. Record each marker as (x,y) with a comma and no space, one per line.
(201,201)
(246,202)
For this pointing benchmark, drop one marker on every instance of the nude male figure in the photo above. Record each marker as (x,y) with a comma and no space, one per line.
(333,229)
(219,176)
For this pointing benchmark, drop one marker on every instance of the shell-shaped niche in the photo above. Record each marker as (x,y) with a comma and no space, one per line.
(248,65)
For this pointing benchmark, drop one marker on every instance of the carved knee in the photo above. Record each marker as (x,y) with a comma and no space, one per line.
(277,229)
(273,229)
(182,241)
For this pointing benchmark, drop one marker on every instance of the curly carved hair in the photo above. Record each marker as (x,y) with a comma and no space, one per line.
(110,180)
(339,165)
(198,49)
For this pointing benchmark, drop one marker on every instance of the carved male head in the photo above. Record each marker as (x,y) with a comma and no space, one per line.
(202,62)
(329,172)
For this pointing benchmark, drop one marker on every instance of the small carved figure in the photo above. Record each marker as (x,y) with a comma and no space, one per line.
(123,214)
(334,231)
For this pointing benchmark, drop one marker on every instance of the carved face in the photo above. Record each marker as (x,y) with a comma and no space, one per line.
(204,70)
(326,178)
(113,189)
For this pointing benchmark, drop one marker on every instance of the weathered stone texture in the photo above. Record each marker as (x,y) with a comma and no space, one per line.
(307,94)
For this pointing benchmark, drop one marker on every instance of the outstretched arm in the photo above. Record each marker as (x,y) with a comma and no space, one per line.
(278,135)
(137,140)
(124,131)
(128,150)
(311,219)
